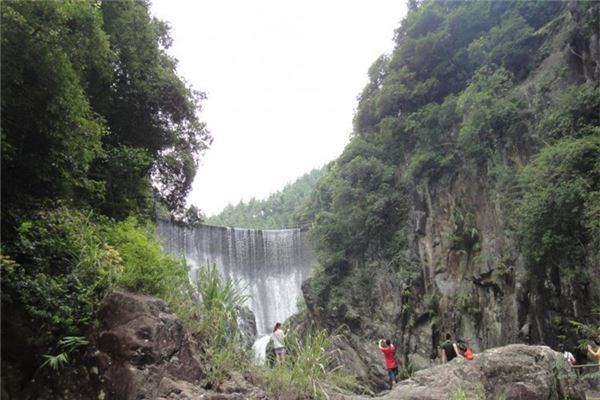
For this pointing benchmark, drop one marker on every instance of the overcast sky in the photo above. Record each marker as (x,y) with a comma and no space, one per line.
(281,78)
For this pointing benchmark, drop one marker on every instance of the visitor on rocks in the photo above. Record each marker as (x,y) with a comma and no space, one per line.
(389,352)
(278,338)
(449,349)
(466,350)
(594,349)
(569,357)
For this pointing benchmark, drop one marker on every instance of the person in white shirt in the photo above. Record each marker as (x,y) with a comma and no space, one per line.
(569,357)
(278,338)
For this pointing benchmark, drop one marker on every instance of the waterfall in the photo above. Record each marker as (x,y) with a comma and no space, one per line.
(269,264)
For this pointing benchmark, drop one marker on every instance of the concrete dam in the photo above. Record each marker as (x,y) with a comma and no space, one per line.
(270,265)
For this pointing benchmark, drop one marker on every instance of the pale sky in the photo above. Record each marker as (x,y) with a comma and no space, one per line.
(281,78)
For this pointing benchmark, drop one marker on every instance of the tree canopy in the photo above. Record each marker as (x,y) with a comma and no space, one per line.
(449,100)
(93,110)
(282,209)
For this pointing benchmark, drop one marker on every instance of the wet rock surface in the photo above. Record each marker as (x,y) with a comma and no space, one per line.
(247,324)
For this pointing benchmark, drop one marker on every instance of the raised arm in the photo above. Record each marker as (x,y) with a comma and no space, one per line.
(457,350)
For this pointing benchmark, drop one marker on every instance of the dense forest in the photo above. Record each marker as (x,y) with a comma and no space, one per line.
(97,130)
(282,209)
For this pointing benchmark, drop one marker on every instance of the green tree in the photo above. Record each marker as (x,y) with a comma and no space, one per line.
(150,112)
(555,214)
(93,110)
(488,112)
(50,133)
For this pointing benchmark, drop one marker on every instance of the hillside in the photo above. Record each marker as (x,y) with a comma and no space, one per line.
(468,199)
(282,209)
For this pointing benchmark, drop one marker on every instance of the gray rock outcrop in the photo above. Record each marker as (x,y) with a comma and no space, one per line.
(143,350)
(247,324)
(511,372)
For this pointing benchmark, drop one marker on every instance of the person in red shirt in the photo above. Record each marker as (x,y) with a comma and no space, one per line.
(389,352)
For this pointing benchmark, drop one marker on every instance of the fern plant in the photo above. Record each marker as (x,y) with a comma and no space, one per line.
(67,344)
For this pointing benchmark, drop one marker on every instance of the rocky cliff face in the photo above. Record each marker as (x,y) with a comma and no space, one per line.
(467,274)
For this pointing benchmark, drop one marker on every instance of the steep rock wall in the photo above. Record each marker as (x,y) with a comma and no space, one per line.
(464,269)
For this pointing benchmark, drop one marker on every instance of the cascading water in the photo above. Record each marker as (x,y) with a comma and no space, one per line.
(269,264)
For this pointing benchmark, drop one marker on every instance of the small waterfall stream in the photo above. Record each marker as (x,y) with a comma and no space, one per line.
(269,264)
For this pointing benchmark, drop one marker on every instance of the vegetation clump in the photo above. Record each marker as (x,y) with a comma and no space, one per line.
(64,262)
(217,326)
(310,369)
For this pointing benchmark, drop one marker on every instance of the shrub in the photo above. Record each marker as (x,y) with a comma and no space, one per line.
(575,114)
(427,164)
(461,232)
(64,262)
(558,193)
(488,113)
(58,270)
(145,267)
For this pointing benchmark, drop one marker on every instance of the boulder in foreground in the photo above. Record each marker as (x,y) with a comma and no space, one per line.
(511,372)
(140,350)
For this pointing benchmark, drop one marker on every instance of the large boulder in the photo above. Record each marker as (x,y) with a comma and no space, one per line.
(511,372)
(139,350)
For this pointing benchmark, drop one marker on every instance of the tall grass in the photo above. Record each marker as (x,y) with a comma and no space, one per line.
(458,394)
(217,328)
(308,370)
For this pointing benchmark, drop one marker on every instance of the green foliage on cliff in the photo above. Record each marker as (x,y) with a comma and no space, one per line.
(443,99)
(280,210)
(464,99)
(557,213)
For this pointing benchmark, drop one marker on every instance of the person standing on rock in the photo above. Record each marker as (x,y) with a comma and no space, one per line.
(278,338)
(389,352)
(449,349)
